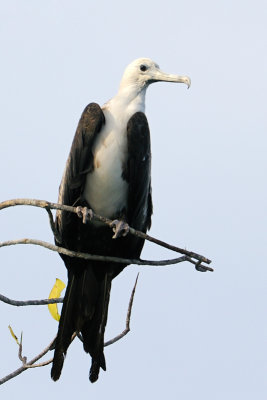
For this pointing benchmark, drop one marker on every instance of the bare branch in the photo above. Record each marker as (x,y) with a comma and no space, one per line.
(87,256)
(20,303)
(48,205)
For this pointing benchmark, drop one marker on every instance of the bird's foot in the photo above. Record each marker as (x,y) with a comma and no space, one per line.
(85,213)
(120,228)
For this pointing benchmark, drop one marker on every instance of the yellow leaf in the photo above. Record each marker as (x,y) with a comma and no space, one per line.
(55,294)
(13,334)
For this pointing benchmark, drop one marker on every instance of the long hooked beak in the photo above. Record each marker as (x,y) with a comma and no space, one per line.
(164,77)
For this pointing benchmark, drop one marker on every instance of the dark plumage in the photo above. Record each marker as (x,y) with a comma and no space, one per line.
(108,170)
(86,300)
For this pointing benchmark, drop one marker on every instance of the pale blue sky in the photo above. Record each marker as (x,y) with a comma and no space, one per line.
(193,335)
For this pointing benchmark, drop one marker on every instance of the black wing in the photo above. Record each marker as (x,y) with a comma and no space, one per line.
(86,299)
(138,173)
(79,163)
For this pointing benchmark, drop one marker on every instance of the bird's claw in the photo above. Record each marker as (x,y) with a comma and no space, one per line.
(85,213)
(120,228)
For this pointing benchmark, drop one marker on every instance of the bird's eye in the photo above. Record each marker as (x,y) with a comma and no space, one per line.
(143,67)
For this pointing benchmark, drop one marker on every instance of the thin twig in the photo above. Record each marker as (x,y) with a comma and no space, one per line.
(42,364)
(53,226)
(128,318)
(22,359)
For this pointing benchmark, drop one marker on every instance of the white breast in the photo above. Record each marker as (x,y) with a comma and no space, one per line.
(105,190)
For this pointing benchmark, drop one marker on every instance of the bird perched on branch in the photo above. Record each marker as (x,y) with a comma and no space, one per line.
(108,171)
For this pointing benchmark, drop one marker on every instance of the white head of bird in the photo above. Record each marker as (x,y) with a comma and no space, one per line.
(138,75)
(143,71)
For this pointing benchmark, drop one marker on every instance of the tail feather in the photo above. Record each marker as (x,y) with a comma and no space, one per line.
(65,330)
(84,310)
(93,331)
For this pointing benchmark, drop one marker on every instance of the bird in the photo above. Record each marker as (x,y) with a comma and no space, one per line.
(108,171)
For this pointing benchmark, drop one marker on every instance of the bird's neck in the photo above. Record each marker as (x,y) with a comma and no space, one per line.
(127,102)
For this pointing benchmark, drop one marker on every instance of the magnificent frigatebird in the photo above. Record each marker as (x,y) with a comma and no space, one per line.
(108,171)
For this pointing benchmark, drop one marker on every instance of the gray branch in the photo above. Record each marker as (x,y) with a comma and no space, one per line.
(87,256)
(21,303)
